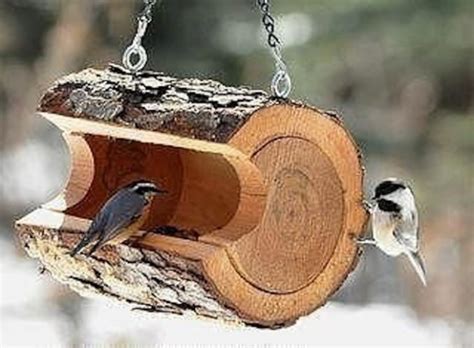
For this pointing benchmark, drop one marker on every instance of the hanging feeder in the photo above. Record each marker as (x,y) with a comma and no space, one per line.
(265,196)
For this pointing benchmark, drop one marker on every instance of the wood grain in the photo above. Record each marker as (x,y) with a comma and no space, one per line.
(271,190)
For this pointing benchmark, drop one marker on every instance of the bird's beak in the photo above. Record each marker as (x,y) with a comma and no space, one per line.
(161,191)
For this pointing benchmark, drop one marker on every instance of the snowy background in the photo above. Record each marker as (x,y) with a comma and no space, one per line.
(400,72)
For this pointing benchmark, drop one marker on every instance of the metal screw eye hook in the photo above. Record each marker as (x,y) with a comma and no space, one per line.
(281,84)
(136,52)
(130,53)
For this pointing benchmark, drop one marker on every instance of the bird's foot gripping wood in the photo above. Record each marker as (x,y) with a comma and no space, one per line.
(361,241)
(271,189)
(368,206)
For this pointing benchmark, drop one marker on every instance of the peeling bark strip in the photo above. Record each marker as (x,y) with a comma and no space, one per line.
(200,109)
(149,280)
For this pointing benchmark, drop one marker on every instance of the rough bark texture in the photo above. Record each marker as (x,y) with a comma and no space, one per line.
(289,176)
(149,280)
(200,109)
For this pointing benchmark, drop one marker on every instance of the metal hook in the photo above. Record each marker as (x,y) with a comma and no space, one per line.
(281,84)
(136,48)
(130,52)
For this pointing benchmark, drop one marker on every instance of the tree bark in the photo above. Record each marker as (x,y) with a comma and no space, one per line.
(150,280)
(270,191)
(193,108)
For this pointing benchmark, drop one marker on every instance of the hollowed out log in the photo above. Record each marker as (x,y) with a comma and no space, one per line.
(265,196)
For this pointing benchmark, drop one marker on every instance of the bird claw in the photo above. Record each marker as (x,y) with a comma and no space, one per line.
(135,242)
(368,206)
(362,241)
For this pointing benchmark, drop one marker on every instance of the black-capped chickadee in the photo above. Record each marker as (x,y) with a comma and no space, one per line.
(120,217)
(395,227)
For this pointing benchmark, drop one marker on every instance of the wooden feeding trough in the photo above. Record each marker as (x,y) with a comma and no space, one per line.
(265,196)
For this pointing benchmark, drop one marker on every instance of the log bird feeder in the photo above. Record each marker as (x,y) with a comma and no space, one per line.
(265,196)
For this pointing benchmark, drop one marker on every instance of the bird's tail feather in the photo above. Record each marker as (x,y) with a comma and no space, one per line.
(418,265)
(85,241)
(97,245)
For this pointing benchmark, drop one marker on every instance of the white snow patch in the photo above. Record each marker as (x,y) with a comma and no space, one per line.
(334,325)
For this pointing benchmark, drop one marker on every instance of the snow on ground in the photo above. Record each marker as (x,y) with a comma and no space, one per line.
(334,325)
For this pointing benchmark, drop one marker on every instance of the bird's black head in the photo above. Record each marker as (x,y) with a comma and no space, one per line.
(388,186)
(145,188)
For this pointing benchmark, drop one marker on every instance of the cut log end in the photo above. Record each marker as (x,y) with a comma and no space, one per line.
(271,190)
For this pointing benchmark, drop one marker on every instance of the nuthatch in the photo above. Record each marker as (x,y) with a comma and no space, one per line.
(395,223)
(120,217)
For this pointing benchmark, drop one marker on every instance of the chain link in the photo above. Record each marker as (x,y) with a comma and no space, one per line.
(281,81)
(146,13)
(136,51)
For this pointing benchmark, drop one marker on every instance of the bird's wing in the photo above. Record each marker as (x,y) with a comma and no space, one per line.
(123,210)
(118,212)
(407,232)
(93,233)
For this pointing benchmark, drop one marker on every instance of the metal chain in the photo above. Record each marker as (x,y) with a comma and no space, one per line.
(281,81)
(136,48)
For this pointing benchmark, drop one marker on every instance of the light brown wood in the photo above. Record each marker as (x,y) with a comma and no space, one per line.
(205,189)
(212,190)
(302,222)
(272,189)
(81,174)
(304,248)
(84,126)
